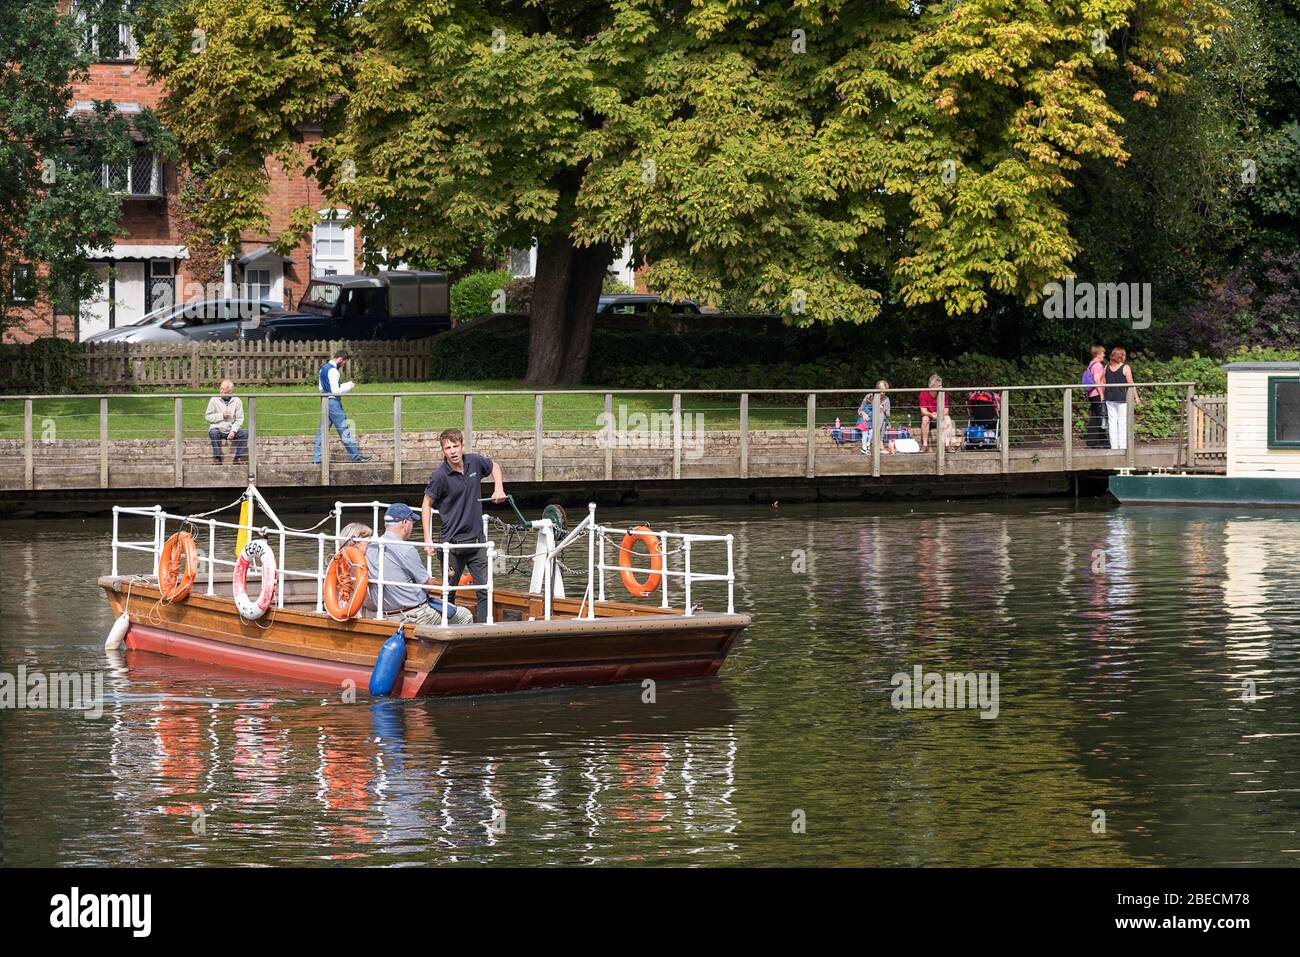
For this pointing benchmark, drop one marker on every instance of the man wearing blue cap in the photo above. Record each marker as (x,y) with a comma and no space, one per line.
(404,573)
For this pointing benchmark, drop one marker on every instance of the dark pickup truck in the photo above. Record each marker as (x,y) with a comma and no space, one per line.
(387,305)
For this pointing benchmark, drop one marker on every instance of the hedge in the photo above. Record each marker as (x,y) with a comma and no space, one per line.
(800,359)
(42,367)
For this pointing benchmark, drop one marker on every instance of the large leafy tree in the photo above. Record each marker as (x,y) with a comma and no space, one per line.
(53,204)
(821,154)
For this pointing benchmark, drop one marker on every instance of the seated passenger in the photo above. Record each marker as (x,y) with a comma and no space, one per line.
(405,600)
(356,532)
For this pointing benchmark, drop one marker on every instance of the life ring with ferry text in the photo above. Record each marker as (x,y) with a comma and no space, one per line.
(260,551)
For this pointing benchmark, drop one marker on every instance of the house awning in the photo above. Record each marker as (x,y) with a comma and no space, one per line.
(139,251)
(261,252)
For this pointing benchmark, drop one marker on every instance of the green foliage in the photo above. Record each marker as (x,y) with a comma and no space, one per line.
(43,367)
(519,295)
(474,294)
(613,286)
(795,152)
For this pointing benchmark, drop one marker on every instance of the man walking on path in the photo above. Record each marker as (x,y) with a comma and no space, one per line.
(330,386)
(453,488)
(225,417)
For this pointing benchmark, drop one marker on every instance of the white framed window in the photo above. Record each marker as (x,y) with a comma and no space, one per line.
(332,246)
(162,284)
(22,284)
(106,37)
(139,178)
(257,283)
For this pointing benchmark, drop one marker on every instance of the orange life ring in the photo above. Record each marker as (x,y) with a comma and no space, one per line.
(630,581)
(346,581)
(175,584)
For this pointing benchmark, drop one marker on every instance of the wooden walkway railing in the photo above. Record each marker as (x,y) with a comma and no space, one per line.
(740,435)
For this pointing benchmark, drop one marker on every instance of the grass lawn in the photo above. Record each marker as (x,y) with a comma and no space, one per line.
(293,410)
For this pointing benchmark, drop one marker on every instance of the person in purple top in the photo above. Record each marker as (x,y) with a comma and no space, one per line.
(453,489)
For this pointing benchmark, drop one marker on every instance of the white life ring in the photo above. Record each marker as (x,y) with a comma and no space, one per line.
(249,608)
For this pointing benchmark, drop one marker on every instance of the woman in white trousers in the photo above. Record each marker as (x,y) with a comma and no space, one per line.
(1118,372)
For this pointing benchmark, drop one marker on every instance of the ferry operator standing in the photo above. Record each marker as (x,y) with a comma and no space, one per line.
(453,489)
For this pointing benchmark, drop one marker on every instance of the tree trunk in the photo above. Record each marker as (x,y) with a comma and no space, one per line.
(546,316)
(565,293)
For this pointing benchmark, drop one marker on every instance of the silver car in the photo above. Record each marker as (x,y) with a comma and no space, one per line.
(206,320)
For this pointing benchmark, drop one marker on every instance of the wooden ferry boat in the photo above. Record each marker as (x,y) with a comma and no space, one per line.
(533,639)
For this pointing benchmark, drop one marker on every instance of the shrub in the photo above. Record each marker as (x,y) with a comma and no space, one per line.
(474,294)
(519,295)
(44,366)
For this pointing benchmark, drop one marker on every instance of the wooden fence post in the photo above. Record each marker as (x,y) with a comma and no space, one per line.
(609,437)
(744,435)
(1130,426)
(324,439)
(877,426)
(1004,430)
(1189,421)
(1067,426)
(103,442)
(179,442)
(29,469)
(196,378)
(397,440)
(537,437)
(252,439)
(677,435)
(810,467)
(942,412)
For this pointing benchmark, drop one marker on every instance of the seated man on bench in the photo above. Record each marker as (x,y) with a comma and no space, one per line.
(405,601)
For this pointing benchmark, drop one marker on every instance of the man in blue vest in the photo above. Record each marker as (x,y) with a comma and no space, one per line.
(332,387)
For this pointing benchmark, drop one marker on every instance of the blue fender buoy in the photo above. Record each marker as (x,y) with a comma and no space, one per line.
(388,665)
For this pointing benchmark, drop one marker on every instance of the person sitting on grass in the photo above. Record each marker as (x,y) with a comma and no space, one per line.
(404,573)
(225,417)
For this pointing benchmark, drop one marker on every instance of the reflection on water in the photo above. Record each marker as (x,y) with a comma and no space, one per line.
(1148,662)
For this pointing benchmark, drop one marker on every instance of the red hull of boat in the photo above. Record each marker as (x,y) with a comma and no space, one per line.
(412,684)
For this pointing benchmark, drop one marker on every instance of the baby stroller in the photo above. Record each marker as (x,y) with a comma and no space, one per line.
(983,421)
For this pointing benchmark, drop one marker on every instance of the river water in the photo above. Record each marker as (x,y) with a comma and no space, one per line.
(1146,713)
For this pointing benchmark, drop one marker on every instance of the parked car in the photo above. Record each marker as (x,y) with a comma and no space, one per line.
(206,320)
(641,304)
(399,304)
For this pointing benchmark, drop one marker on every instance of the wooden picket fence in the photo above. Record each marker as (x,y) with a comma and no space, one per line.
(112,365)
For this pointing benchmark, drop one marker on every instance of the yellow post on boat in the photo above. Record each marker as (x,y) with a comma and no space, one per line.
(245,525)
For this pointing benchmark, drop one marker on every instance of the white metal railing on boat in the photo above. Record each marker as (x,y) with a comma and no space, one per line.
(209,560)
(547,577)
(688,577)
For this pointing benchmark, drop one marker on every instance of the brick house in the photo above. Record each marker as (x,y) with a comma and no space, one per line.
(148,265)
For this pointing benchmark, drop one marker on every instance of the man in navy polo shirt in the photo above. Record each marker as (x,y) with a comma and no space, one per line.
(453,489)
